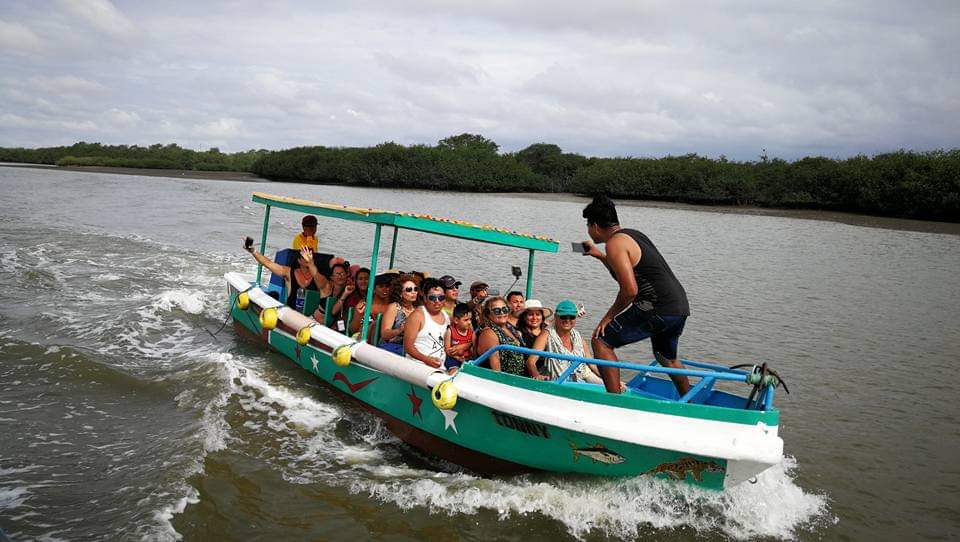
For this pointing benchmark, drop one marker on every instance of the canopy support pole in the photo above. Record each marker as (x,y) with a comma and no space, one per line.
(263,241)
(365,325)
(393,249)
(530,275)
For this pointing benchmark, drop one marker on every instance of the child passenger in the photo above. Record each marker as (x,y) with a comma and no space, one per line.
(458,340)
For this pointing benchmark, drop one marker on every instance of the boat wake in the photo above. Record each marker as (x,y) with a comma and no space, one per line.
(310,437)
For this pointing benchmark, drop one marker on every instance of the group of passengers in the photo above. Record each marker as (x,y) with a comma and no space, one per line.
(424,319)
(651,303)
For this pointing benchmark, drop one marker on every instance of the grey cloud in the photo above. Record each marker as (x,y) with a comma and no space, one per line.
(429,69)
(19,38)
(101,15)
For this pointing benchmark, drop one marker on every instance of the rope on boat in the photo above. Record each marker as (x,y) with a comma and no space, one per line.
(760,377)
(236,299)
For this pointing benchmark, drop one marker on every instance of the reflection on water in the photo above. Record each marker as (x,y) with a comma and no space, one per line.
(132,420)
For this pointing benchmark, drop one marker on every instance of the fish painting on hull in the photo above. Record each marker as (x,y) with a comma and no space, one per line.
(598,453)
(678,469)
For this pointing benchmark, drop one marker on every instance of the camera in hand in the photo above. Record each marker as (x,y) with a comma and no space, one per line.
(248,244)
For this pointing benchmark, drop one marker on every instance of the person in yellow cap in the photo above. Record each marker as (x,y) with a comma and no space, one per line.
(308,237)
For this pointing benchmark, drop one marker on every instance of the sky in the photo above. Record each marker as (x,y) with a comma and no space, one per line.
(598,78)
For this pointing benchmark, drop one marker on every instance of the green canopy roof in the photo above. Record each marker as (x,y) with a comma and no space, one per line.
(413,221)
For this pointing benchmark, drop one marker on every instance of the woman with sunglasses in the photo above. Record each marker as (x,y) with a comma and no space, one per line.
(423,336)
(562,338)
(405,294)
(497,330)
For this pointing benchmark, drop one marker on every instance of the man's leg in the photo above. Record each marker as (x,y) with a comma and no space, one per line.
(610,375)
(665,347)
(680,381)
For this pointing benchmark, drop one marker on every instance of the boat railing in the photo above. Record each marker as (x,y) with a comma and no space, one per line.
(707,372)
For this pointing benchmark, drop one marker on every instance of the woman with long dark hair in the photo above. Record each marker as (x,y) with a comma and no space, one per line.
(301,275)
(405,294)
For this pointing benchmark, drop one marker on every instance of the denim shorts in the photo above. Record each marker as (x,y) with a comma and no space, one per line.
(634,325)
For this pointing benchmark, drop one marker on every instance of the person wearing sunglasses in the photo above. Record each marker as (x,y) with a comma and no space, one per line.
(497,330)
(424,329)
(405,294)
(562,338)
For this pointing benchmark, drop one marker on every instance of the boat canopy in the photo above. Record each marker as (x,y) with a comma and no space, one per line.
(413,221)
(408,221)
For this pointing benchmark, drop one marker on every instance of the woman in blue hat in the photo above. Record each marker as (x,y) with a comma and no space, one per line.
(563,338)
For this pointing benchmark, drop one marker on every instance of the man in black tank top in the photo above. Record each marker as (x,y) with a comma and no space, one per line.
(651,302)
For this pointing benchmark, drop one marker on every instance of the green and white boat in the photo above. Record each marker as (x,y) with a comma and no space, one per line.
(495,423)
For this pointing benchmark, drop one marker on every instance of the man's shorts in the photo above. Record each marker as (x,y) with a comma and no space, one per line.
(634,325)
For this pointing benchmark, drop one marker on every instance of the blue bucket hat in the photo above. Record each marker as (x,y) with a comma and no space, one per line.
(566,308)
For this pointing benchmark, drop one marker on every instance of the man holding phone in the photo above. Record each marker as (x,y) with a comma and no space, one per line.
(651,302)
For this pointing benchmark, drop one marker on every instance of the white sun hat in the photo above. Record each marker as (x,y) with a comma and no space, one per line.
(536,305)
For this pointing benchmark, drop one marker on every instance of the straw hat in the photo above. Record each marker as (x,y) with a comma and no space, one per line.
(536,305)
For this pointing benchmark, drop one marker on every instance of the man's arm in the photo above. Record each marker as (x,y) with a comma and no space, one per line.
(594,250)
(618,261)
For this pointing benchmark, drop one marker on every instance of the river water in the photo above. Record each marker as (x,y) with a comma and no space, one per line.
(122,415)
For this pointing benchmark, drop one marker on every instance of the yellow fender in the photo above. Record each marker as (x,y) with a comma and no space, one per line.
(243,300)
(444,395)
(303,335)
(341,355)
(268,318)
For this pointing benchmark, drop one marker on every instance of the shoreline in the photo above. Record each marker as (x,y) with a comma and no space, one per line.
(853,219)
(149,172)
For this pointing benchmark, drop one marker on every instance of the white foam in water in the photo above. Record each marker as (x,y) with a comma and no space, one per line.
(188,301)
(13,497)
(773,507)
(165,515)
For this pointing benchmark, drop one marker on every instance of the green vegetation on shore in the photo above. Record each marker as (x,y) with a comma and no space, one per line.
(924,185)
(156,156)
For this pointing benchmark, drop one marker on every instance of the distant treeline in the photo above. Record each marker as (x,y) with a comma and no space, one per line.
(923,185)
(906,184)
(153,157)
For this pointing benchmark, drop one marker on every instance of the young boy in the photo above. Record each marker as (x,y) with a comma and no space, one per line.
(308,237)
(458,340)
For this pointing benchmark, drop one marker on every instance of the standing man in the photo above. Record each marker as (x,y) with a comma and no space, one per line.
(651,302)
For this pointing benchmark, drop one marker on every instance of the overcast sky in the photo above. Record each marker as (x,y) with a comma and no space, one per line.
(597,77)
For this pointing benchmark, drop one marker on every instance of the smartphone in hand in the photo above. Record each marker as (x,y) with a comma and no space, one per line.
(579,246)
(248,244)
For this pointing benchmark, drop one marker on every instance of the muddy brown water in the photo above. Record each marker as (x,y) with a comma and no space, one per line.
(123,417)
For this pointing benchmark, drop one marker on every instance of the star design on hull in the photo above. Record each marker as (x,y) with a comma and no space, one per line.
(448,420)
(315,362)
(415,402)
(297,350)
